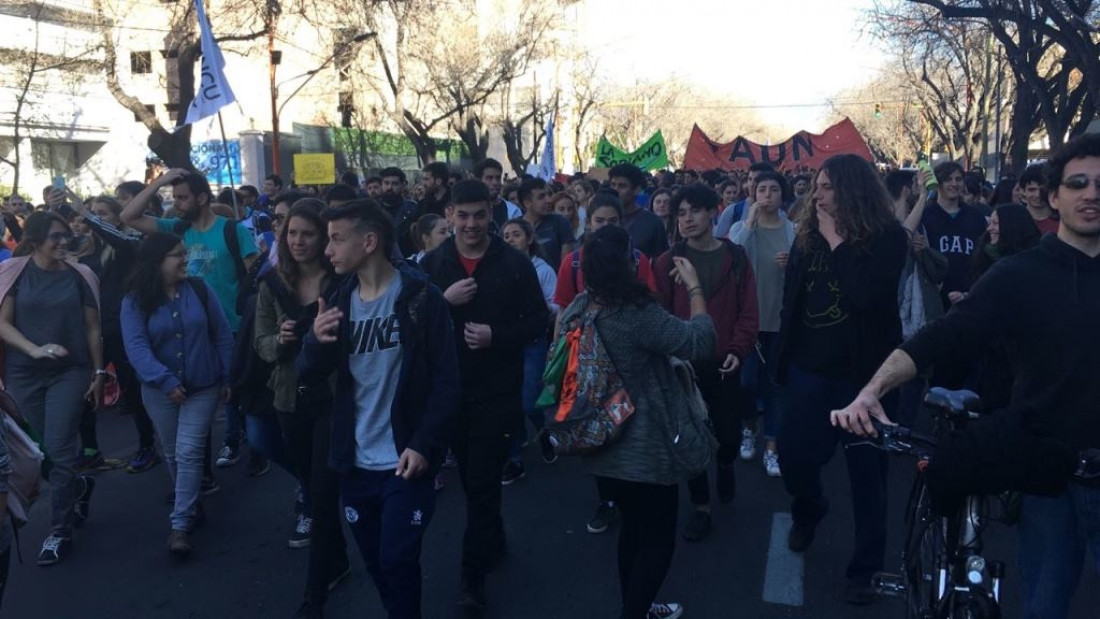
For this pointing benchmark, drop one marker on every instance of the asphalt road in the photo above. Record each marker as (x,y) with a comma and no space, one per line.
(242,567)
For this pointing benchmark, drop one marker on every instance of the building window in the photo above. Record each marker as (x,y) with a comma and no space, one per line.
(141,63)
(60,158)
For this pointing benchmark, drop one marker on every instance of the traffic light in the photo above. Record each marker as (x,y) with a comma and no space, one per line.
(878,110)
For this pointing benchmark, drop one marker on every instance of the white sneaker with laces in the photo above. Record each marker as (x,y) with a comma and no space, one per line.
(665,611)
(748,444)
(771,463)
(302,534)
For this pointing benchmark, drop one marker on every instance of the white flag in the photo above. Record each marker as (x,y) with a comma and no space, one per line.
(547,166)
(213,92)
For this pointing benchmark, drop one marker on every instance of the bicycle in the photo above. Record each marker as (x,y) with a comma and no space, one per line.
(943,572)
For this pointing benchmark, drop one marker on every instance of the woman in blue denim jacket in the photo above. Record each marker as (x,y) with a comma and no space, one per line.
(178,339)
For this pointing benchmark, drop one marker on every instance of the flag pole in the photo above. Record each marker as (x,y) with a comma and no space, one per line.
(228,164)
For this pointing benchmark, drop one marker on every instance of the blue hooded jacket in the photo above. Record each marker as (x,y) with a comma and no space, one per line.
(428,383)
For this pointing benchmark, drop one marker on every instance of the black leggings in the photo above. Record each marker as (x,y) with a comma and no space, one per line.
(647,540)
(307,434)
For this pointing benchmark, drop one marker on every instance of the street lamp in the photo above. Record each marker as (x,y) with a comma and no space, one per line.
(277,108)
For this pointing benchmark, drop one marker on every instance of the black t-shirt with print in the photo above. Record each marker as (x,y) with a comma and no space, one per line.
(823,331)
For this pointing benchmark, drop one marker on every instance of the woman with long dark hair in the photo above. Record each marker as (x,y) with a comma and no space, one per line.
(840,320)
(640,470)
(178,339)
(285,309)
(49,322)
(1011,230)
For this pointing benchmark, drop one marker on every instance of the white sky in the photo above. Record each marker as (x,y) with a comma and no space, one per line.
(764,52)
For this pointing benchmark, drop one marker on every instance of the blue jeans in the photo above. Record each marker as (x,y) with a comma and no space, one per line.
(534,364)
(183,430)
(1054,535)
(759,388)
(265,435)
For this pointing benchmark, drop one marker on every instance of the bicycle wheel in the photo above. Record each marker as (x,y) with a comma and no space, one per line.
(923,554)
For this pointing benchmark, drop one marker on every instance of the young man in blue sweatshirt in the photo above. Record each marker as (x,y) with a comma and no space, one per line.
(386,332)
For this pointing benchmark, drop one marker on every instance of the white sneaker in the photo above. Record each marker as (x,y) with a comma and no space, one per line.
(748,444)
(665,611)
(771,463)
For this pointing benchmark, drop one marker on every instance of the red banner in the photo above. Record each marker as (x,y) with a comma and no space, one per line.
(803,149)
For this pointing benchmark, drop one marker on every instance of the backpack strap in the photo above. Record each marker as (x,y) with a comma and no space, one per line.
(199,286)
(233,244)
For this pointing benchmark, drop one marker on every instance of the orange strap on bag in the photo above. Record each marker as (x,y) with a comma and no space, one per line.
(569,379)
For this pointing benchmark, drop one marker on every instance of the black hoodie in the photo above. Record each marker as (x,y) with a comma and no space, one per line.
(1043,304)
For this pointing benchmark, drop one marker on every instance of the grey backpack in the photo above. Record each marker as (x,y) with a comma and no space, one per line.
(693,442)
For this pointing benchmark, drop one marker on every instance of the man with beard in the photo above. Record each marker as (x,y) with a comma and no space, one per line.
(490,172)
(402,210)
(437,191)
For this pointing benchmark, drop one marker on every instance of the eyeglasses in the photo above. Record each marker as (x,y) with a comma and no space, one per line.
(60,237)
(1077,182)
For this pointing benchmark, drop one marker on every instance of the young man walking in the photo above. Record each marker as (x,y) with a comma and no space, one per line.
(387,335)
(497,307)
(729,288)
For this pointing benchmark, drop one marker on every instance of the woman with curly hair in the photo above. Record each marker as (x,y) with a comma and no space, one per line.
(840,320)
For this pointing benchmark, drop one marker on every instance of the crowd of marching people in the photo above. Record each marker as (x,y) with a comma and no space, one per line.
(362,336)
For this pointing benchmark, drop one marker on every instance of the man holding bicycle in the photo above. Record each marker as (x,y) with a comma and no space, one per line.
(1044,304)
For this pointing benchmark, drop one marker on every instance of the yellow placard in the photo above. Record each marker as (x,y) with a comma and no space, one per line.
(315,169)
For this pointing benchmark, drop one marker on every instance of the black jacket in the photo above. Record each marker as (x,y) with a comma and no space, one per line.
(868,274)
(509,300)
(1043,304)
(427,392)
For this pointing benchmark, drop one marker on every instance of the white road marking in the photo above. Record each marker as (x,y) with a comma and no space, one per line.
(784,572)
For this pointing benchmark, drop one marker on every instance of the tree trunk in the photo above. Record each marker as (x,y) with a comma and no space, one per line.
(474,137)
(1022,125)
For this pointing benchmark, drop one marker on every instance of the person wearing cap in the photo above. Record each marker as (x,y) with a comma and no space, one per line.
(497,308)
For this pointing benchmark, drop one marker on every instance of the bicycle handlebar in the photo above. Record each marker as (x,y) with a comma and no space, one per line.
(1088,466)
(899,440)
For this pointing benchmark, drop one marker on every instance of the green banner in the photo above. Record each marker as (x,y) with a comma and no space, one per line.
(653,155)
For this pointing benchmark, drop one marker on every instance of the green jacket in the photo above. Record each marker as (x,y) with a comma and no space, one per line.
(272,302)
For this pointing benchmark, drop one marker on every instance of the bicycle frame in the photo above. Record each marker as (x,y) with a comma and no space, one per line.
(943,573)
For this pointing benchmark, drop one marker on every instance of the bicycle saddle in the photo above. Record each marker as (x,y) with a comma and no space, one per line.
(958,402)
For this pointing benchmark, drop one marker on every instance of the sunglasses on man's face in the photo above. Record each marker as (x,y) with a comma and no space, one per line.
(1077,182)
